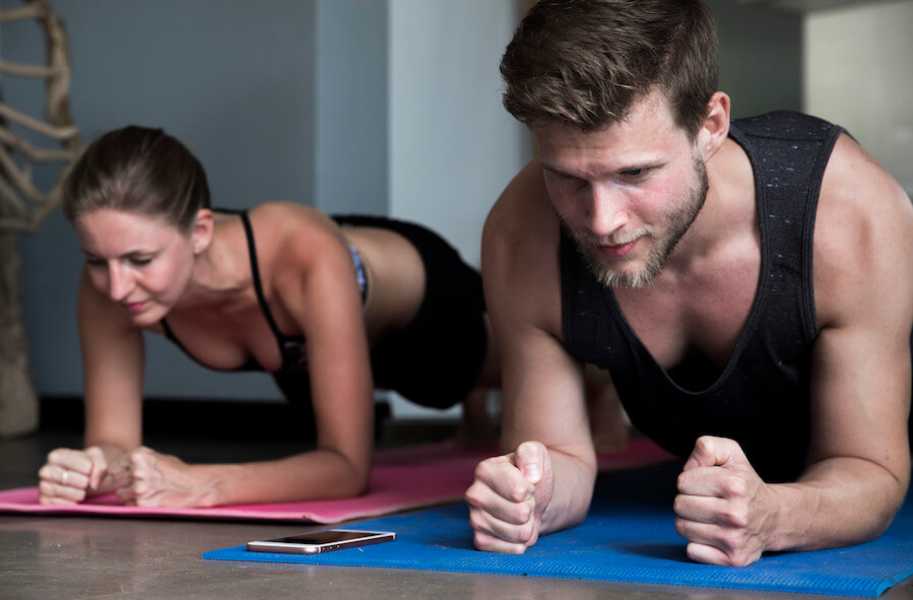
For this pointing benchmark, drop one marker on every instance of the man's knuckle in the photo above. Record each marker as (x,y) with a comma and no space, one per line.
(526,532)
(524,512)
(483,469)
(678,505)
(733,540)
(681,527)
(480,540)
(735,517)
(735,486)
(681,481)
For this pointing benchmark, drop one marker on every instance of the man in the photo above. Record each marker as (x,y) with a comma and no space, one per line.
(746,286)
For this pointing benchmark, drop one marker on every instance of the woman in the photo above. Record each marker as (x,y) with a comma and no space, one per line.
(330,307)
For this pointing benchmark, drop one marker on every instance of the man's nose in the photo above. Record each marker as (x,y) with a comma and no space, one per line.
(607,210)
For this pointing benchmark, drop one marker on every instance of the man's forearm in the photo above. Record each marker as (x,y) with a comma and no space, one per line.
(837,502)
(573,490)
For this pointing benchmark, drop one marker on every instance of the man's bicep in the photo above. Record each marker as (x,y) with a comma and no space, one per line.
(861,396)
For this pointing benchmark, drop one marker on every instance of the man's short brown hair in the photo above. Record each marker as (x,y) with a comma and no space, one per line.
(585,62)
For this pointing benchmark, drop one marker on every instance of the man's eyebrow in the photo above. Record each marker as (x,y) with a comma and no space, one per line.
(644,164)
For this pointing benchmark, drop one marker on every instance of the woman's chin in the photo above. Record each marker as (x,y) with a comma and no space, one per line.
(148,317)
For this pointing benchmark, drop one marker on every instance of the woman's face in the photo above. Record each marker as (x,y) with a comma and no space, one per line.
(142,263)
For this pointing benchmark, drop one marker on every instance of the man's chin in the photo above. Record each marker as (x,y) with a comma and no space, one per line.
(631,278)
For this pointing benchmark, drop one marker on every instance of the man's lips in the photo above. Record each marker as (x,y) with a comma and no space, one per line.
(616,250)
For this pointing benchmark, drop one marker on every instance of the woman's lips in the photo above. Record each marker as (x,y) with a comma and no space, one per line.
(135,307)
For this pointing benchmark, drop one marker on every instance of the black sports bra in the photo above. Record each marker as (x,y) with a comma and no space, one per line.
(292,348)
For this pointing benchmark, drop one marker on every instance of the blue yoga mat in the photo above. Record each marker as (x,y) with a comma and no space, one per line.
(628,537)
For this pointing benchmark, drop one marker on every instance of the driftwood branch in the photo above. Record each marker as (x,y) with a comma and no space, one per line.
(20,179)
(46,129)
(33,10)
(13,224)
(20,70)
(11,199)
(22,204)
(31,152)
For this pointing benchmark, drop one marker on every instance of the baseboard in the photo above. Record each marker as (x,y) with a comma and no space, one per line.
(216,419)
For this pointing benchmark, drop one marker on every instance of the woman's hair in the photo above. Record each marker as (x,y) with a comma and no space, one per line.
(585,62)
(139,170)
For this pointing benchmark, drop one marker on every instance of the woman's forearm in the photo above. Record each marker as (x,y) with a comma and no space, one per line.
(319,474)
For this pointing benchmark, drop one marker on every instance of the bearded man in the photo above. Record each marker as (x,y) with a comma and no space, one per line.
(745,285)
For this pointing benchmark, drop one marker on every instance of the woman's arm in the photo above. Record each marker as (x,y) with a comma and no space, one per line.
(311,278)
(112,352)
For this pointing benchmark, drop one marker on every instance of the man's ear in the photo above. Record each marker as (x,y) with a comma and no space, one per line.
(715,127)
(202,230)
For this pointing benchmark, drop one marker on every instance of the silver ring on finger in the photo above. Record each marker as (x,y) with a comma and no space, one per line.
(64,477)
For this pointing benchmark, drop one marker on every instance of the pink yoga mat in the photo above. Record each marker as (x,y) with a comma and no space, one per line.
(402,479)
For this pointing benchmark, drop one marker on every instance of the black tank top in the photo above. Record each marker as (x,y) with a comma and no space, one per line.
(761,398)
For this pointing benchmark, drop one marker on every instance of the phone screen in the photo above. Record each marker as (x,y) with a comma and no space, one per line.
(324,537)
(321,541)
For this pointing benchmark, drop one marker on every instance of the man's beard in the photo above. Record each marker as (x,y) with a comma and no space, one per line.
(677,223)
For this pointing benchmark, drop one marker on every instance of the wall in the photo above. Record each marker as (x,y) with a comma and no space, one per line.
(351,90)
(760,57)
(453,147)
(857,64)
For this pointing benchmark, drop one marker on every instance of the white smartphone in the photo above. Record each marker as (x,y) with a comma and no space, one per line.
(321,541)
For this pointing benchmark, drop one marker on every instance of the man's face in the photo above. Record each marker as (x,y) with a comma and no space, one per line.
(627,193)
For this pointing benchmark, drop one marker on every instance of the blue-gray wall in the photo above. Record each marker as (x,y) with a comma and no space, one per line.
(351,107)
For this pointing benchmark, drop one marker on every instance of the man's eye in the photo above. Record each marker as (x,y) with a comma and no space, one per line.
(569,181)
(140,261)
(633,173)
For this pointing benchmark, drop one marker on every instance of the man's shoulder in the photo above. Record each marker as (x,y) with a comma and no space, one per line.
(864,227)
(520,251)
(523,213)
(856,185)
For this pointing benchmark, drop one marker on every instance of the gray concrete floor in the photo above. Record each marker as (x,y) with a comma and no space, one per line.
(101,558)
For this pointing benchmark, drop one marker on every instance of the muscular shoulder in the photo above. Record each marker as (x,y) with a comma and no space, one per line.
(292,231)
(863,239)
(520,249)
(294,242)
(287,222)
